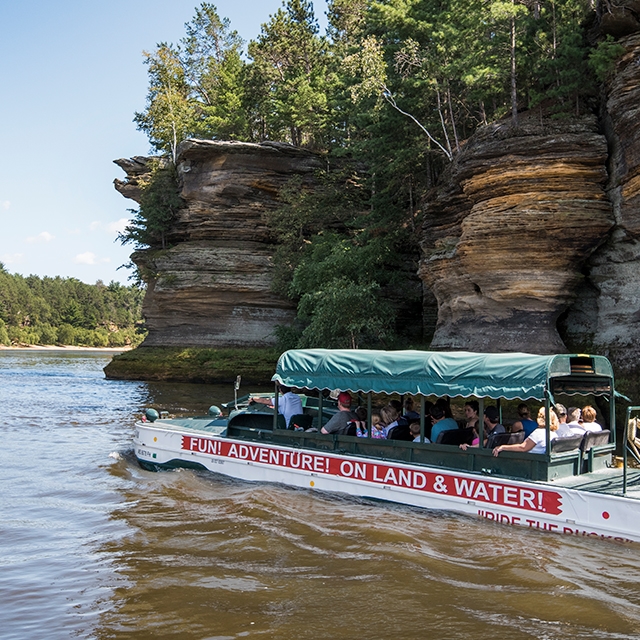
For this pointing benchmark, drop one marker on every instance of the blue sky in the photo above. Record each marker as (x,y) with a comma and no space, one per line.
(71,78)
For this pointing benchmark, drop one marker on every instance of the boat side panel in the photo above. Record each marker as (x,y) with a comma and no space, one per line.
(535,505)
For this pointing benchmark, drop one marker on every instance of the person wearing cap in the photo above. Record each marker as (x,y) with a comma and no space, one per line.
(338,422)
(492,426)
(288,405)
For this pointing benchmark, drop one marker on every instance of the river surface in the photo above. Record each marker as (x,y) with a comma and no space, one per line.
(92,546)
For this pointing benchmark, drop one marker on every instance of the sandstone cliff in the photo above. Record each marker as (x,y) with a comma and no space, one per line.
(532,239)
(607,314)
(212,288)
(515,218)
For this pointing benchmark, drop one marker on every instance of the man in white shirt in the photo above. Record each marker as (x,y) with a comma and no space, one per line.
(288,405)
(573,421)
(564,431)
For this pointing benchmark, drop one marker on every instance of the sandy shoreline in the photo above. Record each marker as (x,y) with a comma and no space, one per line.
(53,347)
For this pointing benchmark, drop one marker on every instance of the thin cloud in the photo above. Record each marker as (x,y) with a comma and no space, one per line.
(90,258)
(12,258)
(5,205)
(117,226)
(45,236)
(86,258)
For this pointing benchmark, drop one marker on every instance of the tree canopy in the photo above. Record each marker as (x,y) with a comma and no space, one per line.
(65,311)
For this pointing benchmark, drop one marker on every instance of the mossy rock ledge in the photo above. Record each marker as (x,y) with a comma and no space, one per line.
(209,366)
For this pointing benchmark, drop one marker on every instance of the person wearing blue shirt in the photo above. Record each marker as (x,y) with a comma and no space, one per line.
(440,422)
(525,423)
(288,405)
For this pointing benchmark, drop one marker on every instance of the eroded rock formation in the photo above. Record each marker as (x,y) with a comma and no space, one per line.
(606,315)
(508,231)
(212,288)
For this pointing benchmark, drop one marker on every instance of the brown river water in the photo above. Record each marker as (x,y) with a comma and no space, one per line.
(92,546)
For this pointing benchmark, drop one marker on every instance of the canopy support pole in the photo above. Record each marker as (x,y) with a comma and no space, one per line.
(369,411)
(547,423)
(275,409)
(422,405)
(320,399)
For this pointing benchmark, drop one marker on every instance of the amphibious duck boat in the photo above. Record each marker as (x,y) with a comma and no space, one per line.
(577,487)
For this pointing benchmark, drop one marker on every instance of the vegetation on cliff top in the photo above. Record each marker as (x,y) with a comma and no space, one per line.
(389,95)
(65,311)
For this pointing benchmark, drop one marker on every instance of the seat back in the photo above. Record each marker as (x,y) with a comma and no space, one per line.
(401,432)
(594,439)
(350,429)
(566,444)
(496,439)
(301,421)
(517,437)
(456,436)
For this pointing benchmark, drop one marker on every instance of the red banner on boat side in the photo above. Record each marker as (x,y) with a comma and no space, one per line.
(490,492)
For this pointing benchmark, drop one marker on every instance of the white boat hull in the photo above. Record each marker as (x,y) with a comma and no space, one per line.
(535,505)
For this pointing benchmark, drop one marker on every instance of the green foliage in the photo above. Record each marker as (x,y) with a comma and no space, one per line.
(602,58)
(288,78)
(160,202)
(195,87)
(4,335)
(170,116)
(66,311)
(344,314)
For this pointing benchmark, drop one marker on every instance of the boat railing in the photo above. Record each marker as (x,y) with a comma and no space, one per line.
(631,444)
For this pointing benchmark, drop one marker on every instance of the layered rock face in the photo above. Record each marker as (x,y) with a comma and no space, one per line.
(507,233)
(607,312)
(213,287)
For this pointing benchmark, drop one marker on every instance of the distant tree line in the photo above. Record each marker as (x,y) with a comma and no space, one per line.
(389,95)
(65,311)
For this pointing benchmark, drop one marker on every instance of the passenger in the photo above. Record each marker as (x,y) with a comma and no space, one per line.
(396,405)
(525,423)
(288,405)
(389,415)
(564,431)
(414,428)
(472,413)
(491,426)
(377,428)
(573,421)
(338,423)
(410,412)
(361,422)
(440,422)
(445,406)
(536,442)
(589,419)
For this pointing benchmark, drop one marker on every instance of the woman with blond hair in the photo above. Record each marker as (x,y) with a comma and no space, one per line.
(537,440)
(389,415)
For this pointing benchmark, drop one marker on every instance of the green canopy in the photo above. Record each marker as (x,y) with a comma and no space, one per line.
(493,375)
